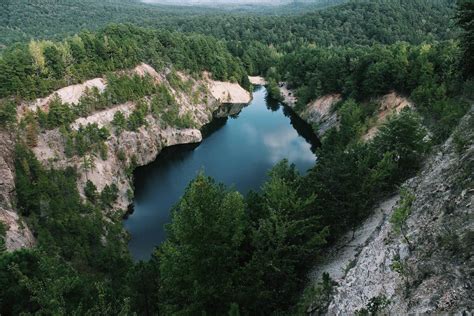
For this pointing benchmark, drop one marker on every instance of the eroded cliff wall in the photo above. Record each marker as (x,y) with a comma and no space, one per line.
(427,268)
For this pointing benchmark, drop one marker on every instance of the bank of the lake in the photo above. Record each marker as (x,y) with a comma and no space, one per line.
(236,151)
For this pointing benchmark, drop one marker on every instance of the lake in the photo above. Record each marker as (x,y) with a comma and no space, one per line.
(237,151)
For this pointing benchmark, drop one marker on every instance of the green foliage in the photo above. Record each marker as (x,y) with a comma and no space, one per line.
(109,195)
(364,72)
(461,141)
(91,100)
(273,90)
(59,114)
(205,235)
(7,112)
(375,306)
(121,155)
(259,250)
(316,297)
(225,254)
(137,118)
(162,101)
(404,136)
(123,88)
(417,21)
(90,191)
(403,211)
(56,277)
(465,16)
(428,73)
(115,47)
(89,139)
(119,122)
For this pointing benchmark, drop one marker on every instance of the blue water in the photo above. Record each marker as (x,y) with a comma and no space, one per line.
(237,151)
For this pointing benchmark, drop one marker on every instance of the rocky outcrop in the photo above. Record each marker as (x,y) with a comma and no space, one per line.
(322,115)
(228,92)
(390,104)
(431,274)
(319,113)
(287,95)
(17,233)
(69,94)
(141,147)
(342,255)
(257,80)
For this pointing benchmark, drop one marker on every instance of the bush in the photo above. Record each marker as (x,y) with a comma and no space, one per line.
(59,114)
(3,232)
(109,195)
(405,137)
(119,122)
(90,191)
(7,112)
(402,212)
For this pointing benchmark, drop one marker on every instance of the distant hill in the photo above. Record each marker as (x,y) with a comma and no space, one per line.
(242,2)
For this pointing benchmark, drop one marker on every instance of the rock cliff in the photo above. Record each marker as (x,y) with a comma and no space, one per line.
(17,233)
(201,101)
(319,113)
(427,269)
(323,116)
(142,146)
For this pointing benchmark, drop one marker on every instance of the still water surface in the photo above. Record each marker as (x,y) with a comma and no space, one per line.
(237,151)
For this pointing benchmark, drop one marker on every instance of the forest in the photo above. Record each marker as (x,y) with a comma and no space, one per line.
(33,70)
(23,20)
(259,247)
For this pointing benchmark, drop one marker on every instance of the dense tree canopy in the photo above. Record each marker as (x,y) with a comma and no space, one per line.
(225,253)
(36,69)
(465,17)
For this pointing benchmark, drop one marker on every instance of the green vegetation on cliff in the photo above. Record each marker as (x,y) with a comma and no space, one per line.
(34,70)
(226,253)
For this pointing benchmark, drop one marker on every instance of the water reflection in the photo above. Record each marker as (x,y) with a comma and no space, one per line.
(236,151)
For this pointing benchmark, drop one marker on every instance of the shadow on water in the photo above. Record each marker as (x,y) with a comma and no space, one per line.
(304,129)
(171,155)
(236,151)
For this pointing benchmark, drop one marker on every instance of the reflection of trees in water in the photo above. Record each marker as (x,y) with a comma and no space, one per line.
(304,129)
(213,126)
(229,110)
(171,155)
(168,156)
(257,88)
(272,104)
(181,152)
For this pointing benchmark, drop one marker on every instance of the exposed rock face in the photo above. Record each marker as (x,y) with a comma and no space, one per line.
(257,80)
(321,113)
(288,95)
(390,104)
(227,92)
(18,235)
(338,259)
(142,146)
(229,109)
(70,94)
(318,113)
(433,274)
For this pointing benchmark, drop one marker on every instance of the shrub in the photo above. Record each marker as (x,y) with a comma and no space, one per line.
(402,212)
(90,191)
(7,113)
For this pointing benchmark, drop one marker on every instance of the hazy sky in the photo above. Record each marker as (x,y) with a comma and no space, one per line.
(188,2)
